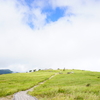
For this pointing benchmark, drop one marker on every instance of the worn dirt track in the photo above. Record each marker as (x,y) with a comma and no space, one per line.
(22,95)
(7,98)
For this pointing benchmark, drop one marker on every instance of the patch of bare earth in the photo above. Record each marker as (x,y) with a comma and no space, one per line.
(7,98)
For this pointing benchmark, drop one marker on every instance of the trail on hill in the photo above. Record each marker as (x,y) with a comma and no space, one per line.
(7,98)
(22,95)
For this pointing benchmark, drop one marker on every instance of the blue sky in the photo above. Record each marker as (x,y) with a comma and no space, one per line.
(54,34)
(29,2)
(52,14)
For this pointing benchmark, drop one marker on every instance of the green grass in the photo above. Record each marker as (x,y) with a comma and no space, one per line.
(81,85)
(12,83)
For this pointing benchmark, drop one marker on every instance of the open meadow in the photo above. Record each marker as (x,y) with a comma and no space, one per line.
(12,83)
(77,85)
(65,85)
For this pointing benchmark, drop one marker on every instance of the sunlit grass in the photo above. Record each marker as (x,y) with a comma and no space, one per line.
(11,83)
(80,85)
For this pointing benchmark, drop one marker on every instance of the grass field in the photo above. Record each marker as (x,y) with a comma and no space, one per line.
(80,85)
(11,83)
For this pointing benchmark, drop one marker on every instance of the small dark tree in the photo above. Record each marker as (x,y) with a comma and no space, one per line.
(30,70)
(34,70)
(58,69)
(64,69)
(39,69)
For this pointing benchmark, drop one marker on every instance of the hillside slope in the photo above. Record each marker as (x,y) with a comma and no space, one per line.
(5,71)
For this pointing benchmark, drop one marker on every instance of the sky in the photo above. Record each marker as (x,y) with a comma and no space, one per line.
(42,34)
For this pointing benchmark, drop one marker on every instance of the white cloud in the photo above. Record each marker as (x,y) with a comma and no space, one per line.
(70,42)
(38,18)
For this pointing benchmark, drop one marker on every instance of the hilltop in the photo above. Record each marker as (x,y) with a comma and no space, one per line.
(5,71)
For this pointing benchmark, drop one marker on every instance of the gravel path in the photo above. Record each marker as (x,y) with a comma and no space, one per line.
(22,95)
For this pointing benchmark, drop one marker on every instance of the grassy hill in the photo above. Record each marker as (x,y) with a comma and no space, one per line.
(66,85)
(70,85)
(12,83)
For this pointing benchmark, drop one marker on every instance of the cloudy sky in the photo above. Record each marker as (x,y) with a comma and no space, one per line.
(49,34)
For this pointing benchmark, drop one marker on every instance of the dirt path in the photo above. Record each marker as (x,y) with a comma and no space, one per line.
(7,98)
(22,95)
